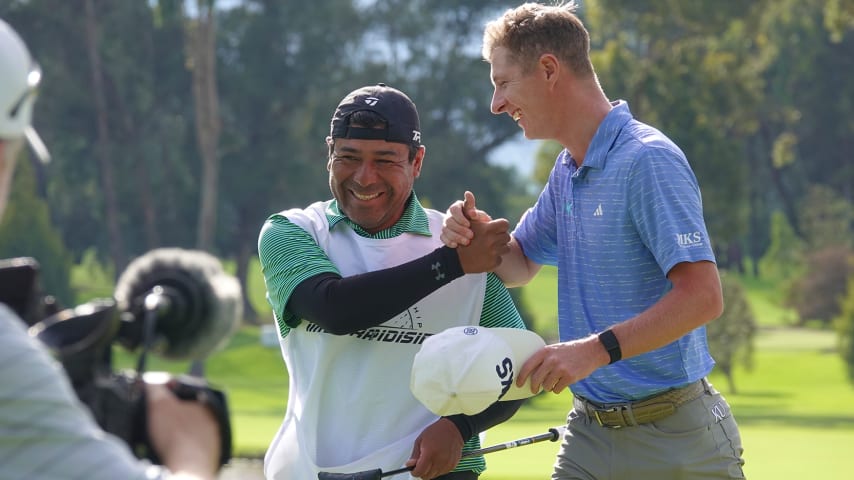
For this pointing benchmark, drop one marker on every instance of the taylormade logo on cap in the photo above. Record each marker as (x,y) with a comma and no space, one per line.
(466,369)
(398,111)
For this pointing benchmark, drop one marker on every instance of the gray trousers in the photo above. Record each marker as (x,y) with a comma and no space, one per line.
(700,440)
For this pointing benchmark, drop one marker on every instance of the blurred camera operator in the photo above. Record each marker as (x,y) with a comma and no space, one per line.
(45,432)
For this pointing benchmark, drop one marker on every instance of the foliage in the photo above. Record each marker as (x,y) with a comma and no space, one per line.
(545,160)
(685,70)
(765,296)
(731,337)
(718,78)
(26,231)
(845,328)
(826,218)
(281,69)
(784,258)
(91,278)
(818,293)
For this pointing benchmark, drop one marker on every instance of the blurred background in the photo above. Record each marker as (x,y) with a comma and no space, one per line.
(187,122)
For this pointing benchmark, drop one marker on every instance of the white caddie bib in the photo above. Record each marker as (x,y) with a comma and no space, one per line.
(349,406)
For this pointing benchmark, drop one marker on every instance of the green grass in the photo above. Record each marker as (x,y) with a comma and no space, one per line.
(795,411)
(766,300)
(540,298)
(795,407)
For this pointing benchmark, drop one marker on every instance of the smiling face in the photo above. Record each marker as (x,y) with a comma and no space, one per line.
(518,92)
(372,180)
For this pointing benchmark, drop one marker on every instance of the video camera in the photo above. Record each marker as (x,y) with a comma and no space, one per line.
(176,303)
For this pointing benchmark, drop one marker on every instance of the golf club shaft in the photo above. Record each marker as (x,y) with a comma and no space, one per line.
(552,435)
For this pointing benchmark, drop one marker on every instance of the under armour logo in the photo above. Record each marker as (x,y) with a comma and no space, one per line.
(372,101)
(436,266)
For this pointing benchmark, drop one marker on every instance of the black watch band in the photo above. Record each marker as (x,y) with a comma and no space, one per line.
(612,346)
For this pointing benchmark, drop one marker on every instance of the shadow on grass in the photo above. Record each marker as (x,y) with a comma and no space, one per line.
(754,408)
(764,395)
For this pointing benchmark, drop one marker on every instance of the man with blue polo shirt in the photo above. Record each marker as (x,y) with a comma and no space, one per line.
(357,283)
(621,217)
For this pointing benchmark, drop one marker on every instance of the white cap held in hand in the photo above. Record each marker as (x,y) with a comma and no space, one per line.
(467,369)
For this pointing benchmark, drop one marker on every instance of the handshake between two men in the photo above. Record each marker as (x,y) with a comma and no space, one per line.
(481,242)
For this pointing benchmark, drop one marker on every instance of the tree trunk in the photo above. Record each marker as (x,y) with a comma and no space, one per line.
(201,40)
(247,247)
(142,182)
(730,379)
(245,254)
(786,198)
(103,147)
(734,257)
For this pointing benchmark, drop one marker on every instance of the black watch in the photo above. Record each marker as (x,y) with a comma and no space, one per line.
(612,346)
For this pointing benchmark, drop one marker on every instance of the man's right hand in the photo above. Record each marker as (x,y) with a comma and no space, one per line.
(456,229)
(480,241)
(184,433)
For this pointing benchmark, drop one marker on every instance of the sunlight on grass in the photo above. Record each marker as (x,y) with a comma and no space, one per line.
(795,407)
(540,297)
(766,301)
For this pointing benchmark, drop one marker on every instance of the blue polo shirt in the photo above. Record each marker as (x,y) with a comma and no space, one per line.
(614,228)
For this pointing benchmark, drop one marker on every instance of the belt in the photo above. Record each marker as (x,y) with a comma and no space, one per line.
(618,415)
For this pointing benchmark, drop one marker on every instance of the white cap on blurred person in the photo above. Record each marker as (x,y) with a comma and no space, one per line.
(20,76)
(467,369)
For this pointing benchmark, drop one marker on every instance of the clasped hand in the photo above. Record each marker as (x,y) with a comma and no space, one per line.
(480,241)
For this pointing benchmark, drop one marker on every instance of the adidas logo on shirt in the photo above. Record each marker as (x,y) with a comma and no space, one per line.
(598,211)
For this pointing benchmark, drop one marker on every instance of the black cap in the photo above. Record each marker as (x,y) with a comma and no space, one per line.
(390,103)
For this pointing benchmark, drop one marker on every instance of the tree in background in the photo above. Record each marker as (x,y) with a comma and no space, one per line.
(104,147)
(754,120)
(731,336)
(115,98)
(26,231)
(284,66)
(759,124)
(201,60)
(817,294)
(826,218)
(684,68)
(545,160)
(784,258)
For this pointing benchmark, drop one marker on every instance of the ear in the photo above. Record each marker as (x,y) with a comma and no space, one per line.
(330,145)
(549,65)
(419,160)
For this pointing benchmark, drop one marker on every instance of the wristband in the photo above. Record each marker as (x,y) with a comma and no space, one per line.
(612,346)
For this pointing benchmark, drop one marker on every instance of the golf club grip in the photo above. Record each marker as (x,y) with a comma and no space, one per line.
(552,435)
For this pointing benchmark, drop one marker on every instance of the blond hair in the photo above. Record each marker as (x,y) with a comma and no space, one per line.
(532,29)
